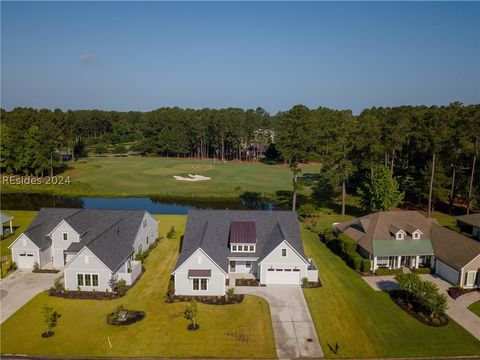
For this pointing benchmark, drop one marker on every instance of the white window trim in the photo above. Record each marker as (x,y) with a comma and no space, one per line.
(91,279)
(236,248)
(199,283)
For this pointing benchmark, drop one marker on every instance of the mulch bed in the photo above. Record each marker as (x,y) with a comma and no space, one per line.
(132,317)
(46,271)
(247,282)
(192,327)
(313,284)
(456,292)
(83,295)
(211,300)
(415,309)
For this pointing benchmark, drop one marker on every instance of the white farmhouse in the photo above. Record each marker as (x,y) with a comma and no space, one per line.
(89,246)
(225,244)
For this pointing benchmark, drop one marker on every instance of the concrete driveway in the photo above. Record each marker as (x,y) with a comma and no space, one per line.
(295,334)
(18,288)
(457,308)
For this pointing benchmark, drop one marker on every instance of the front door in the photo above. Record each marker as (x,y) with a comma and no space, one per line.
(232,265)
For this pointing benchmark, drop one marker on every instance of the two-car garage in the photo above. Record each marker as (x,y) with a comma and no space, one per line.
(283,276)
(446,272)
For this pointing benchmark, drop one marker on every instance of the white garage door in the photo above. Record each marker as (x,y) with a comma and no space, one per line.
(283,276)
(446,272)
(25,259)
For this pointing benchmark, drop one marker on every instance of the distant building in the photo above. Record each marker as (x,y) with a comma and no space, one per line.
(470,224)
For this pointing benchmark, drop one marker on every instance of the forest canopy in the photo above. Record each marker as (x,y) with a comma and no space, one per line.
(430,151)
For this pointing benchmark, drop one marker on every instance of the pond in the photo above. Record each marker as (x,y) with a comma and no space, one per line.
(20,201)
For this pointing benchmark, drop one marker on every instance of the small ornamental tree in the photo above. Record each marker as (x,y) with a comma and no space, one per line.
(50,319)
(379,191)
(191,313)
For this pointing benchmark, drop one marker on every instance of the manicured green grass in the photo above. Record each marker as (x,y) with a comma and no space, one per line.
(367,323)
(21,220)
(240,330)
(475,308)
(143,176)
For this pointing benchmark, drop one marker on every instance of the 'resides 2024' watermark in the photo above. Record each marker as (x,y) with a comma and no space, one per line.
(33,180)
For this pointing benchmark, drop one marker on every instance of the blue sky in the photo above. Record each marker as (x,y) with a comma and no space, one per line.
(141,56)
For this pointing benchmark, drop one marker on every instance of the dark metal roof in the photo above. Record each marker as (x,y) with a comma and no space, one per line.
(243,232)
(199,273)
(210,230)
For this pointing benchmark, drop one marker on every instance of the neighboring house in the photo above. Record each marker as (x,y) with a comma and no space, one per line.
(6,219)
(470,224)
(225,244)
(89,246)
(396,239)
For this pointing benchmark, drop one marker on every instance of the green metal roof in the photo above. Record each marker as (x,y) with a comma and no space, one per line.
(402,247)
(4,217)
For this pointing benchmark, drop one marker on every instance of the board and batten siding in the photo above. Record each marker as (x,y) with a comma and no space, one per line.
(146,235)
(87,263)
(45,256)
(59,245)
(199,261)
(276,260)
(241,267)
(24,244)
(473,265)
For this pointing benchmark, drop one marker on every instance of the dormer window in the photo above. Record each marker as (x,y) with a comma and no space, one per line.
(243,237)
(399,235)
(416,235)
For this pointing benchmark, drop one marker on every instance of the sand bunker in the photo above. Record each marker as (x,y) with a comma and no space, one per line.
(191,178)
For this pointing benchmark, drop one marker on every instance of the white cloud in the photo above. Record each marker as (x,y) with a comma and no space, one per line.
(86,58)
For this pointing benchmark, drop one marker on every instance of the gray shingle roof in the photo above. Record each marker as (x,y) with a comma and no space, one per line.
(209,230)
(109,234)
(472,219)
(5,217)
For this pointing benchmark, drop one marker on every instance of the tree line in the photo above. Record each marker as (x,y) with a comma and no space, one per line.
(430,151)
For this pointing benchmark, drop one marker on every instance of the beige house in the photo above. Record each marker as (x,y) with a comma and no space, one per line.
(397,239)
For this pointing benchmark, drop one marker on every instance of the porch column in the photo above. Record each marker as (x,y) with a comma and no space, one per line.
(399,262)
(374,263)
(11,227)
(417,260)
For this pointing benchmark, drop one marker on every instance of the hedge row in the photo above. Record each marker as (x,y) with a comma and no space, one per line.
(386,271)
(346,248)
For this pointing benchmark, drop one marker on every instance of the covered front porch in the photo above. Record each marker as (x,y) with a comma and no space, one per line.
(401,261)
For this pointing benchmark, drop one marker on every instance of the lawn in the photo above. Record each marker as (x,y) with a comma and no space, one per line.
(475,308)
(365,323)
(150,176)
(240,330)
(21,220)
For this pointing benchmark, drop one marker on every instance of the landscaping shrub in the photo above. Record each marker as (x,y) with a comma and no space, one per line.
(423,295)
(355,261)
(345,247)
(36,267)
(366,266)
(211,300)
(423,270)
(58,284)
(230,294)
(385,271)
(12,266)
(304,282)
(456,291)
(171,233)
(306,210)
(246,282)
(171,290)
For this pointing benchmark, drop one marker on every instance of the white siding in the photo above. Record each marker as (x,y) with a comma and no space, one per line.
(276,260)
(45,256)
(59,245)
(241,268)
(446,272)
(91,266)
(146,235)
(24,245)
(199,261)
